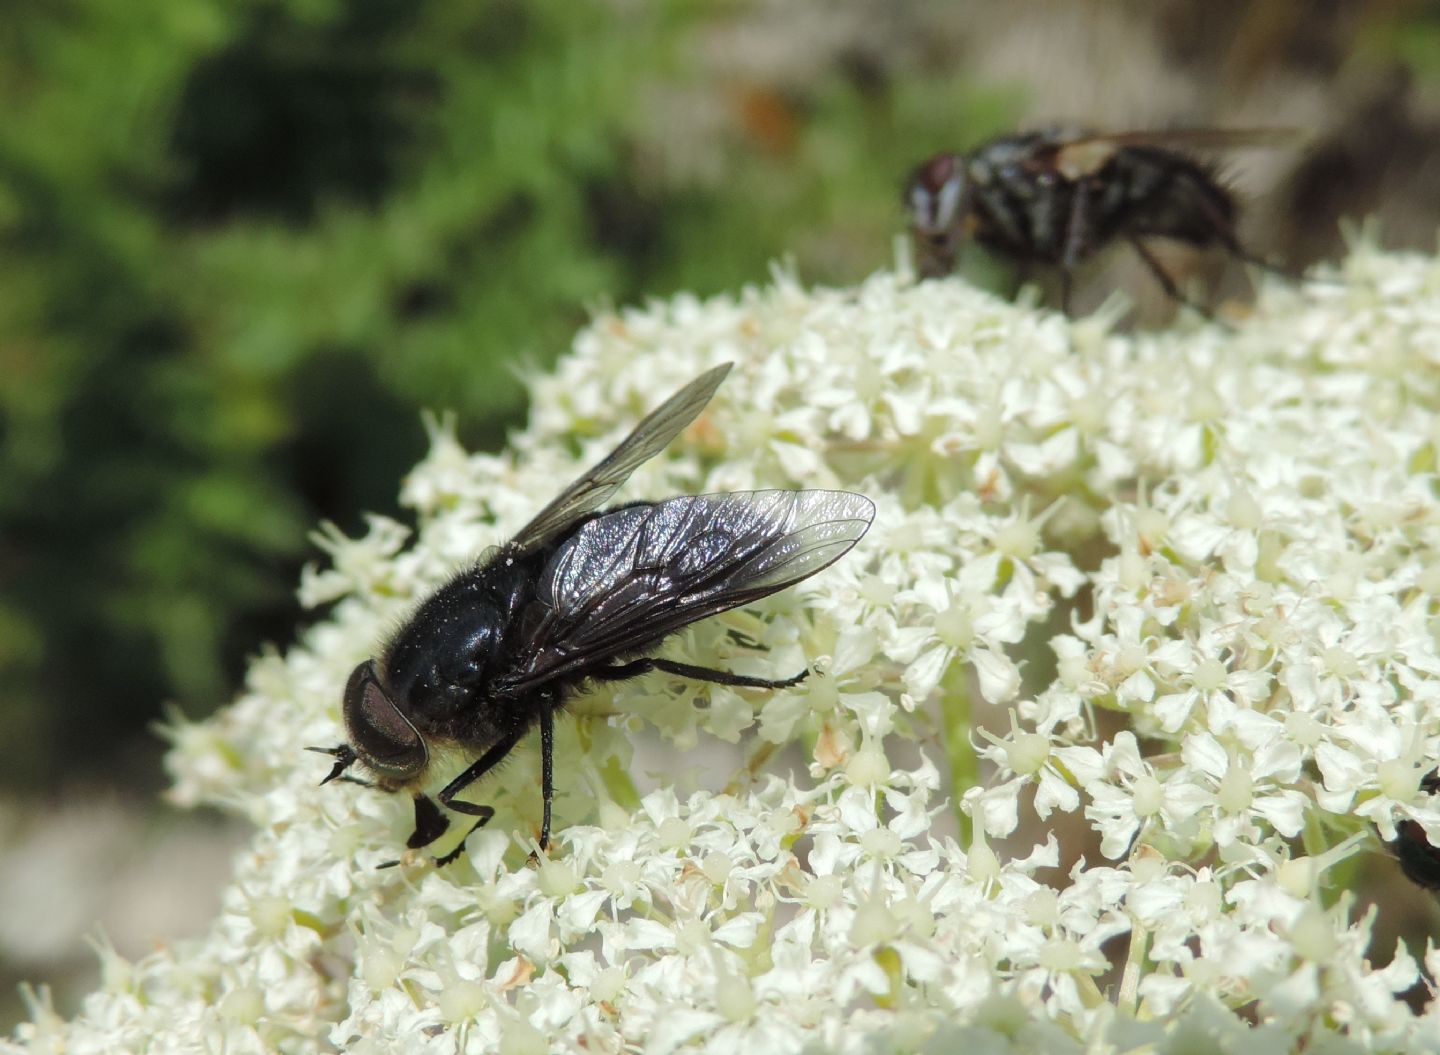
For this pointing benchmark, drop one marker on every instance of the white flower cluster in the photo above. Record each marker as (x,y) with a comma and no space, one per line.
(1160,610)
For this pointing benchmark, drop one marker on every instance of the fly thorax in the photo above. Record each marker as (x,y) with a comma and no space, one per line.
(461,664)
(442,659)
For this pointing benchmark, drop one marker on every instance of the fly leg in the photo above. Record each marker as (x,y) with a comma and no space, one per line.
(1066,281)
(937,255)
(1166,282)
(687,670)
(491,758)
(430,823)
(1077,239)
(1225,234)
(1224,230)
(1239,252)
(547,769)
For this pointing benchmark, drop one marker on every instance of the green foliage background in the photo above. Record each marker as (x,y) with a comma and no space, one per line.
(244,242)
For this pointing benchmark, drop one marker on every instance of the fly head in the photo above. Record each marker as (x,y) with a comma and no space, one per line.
(380,735)
(937,198)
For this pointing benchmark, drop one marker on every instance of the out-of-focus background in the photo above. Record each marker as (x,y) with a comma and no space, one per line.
(244,242)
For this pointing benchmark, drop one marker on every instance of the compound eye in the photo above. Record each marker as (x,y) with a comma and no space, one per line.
(380,734)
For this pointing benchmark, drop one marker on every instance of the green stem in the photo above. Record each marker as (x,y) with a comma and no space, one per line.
(1128,998)
(956,730)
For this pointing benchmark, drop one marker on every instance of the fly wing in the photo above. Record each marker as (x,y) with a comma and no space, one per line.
(628,578)
(650,437)
(1084,154)
(1191,138)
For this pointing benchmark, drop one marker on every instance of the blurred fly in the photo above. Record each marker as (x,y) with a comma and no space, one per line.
(576,596)
(1057,197)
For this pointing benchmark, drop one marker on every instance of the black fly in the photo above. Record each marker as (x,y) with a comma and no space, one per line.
(499,648)
(1056,198)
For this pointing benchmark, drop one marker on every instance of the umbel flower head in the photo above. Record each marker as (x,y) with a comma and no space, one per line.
(1138,660)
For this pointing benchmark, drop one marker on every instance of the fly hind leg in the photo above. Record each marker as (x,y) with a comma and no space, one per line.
(1167,283)
(1240,253)
(1224,231)
(638,667)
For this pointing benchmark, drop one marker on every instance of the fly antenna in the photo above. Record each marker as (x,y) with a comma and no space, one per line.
(344,755)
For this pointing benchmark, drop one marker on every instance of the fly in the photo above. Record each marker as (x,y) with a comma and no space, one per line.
(1057,197)
(579,595)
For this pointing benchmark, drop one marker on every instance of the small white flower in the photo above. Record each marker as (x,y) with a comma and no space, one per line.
(1198,569)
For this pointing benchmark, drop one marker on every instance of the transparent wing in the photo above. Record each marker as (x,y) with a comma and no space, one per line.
(650,437)
(628,578)
(1085,153)
(1191,138)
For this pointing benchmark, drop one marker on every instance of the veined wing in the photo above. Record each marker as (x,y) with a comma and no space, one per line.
(1192,138)
(628,578)
(594,489)
(1087,152)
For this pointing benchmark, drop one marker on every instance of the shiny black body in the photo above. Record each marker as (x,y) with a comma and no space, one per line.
(573,597)
(1027,207)
(1056,198)
(461,645)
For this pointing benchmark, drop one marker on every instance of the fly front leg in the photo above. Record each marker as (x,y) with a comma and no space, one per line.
(483,813)
(430,823)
